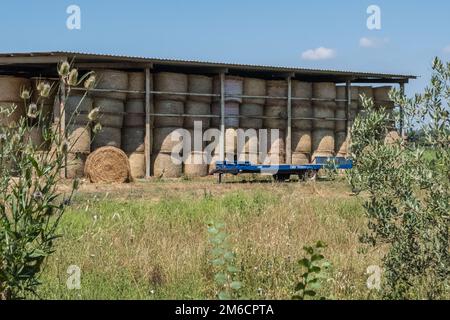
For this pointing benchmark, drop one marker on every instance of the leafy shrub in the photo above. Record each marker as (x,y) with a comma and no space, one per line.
(223,262)
(315,267)
(408,191)
(31,204)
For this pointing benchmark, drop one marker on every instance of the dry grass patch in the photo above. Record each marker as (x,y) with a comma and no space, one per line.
(149,240)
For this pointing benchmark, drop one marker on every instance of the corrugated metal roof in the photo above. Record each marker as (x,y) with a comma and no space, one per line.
(82,56)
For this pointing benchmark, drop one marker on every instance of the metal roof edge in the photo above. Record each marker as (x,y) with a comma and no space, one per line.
(198,63)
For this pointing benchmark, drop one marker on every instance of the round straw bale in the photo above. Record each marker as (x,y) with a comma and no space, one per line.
(212,159)
(200,84)
(324,110)
(11,113)
(340,124)
(247,141)
(341,107)
(341,144)
(302,90)
(230,142)
(323,143)
(381,97)
(171,82)
(135,113)
(137,164)
(11,88)
(166,139)
(111,112)
(111,79)
(275,158)
(301,141)
(251,109)
(108,165)
(392,137)
(35,137)
(231,109)
(381,93)
(79,137)
(133,139)
(234,88)
(277,89)
(299,158)
(302,110)
(196,137)
(75,165)
(136,82)
(341,94)
(46,111)
(77,108)
(324,90)
(275,144)
(195,165)
(107,137)
(279,111)
(166,167)
(169,107)
(197,108)
(254,87)
(252,157)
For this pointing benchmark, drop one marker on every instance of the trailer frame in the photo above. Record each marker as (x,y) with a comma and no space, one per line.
(281,172)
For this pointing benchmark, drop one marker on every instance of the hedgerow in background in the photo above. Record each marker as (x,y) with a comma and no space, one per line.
(31,205)
(315,268)
(408,191)
(223,262)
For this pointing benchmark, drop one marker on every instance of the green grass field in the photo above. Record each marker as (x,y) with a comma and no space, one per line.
(149,240)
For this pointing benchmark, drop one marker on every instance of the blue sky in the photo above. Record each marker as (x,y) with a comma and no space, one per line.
(255,32)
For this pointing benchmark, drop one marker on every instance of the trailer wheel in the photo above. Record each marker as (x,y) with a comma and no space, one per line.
(281,177)
(302,176)
(310,175)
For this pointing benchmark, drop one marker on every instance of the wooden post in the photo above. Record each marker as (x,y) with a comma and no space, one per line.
(222,116)
(62,111)
(62,121)
(348,96)
(402,114)
(148,123)
(289,123)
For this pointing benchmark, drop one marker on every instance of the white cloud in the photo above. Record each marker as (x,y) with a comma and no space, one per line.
(447,49)
(366,42)
(319,54)
(372,42)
